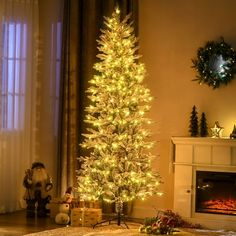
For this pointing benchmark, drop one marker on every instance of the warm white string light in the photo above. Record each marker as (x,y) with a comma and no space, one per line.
(118,167)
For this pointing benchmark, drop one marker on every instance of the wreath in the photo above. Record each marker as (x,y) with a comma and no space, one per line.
(215,64)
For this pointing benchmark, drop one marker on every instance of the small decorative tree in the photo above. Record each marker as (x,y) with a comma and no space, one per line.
(193,127)
(203,126)
(233,134)
(118,168)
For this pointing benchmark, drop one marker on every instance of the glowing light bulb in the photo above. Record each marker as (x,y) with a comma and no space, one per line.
(114,145)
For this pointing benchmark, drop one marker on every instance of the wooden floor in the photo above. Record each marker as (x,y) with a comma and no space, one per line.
(17,224)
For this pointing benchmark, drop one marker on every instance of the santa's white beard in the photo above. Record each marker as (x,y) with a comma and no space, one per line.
(39,175)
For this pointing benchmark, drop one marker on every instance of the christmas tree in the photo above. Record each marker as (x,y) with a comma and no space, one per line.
(193,127)
(118,168)
(203,126)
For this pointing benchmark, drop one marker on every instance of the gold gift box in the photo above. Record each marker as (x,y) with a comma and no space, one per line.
(85,216)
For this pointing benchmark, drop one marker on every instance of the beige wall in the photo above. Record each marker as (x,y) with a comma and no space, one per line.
(170,33)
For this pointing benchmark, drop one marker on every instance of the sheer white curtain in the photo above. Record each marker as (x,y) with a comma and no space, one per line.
(27,101)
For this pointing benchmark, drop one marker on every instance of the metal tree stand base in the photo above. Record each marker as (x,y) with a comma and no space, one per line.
(119,218)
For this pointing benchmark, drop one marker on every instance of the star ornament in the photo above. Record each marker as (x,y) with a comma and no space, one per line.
(216,131)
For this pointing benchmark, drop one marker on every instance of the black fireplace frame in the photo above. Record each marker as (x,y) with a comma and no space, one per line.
(215,183)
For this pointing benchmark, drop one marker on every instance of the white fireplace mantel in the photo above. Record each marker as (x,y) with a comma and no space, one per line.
(219,152)
(190,155)
(204,141)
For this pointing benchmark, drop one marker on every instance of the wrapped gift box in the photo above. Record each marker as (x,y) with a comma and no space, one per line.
(85,216)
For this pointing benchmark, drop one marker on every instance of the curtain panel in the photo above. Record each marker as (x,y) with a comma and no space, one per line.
(30,61)
(82,22)
(18,82)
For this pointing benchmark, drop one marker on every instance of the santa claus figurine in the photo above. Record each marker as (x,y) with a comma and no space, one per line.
(38,183)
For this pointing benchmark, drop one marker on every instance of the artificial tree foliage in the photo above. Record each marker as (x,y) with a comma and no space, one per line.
(193,127)
(118,168)
(203,126)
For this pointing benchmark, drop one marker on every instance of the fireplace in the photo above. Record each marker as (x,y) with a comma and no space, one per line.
(215,192)
(205,181)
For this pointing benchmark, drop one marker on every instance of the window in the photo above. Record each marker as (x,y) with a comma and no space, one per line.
(13,75)
(55,70)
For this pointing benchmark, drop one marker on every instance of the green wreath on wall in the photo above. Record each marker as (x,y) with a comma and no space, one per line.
(215,64)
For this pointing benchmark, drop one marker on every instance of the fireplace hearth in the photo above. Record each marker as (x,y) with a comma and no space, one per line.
(215,192)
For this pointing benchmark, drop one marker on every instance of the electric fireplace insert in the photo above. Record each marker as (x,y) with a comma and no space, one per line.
(215,192)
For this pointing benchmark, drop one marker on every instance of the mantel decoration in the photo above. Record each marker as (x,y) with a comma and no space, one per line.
(215,63)
(217,130)
(203,126)
(193,126)
(233,134)
(196,129)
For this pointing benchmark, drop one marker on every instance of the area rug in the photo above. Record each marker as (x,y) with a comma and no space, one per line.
(210,232)
(89,231)
(119,231)
(80,231)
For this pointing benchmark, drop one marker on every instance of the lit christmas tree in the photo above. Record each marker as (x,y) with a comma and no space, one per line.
(118,168)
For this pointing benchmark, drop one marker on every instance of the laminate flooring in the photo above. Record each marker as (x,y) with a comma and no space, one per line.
(17,224)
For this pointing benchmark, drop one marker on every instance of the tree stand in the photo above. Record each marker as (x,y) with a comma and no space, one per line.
(119,218)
